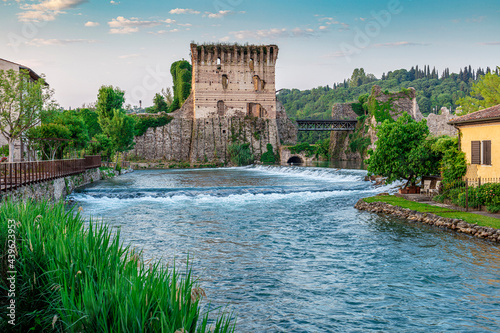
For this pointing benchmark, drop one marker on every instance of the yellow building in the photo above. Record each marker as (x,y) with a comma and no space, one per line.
(480,140)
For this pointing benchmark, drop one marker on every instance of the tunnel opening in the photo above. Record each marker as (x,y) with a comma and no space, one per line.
(295,160)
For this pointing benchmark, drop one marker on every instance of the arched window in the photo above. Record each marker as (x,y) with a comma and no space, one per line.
(251,64)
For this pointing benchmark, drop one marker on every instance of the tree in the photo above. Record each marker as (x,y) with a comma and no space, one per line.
(21,101)
(49,139)
(121,131)
(115,124)
(453,165)
(403,152)
(91,120)
(485,93)
(108,100)
(159,104)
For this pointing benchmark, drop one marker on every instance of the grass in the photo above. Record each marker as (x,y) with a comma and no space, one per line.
(76,279)
(485,221)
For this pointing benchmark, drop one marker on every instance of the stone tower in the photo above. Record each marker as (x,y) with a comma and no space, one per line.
(232,101)
(234,81)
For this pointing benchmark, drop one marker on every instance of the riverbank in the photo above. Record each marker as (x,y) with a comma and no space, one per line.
(58,275)
(481,226)
(58,189)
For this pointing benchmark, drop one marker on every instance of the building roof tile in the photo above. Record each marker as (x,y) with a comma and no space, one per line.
(490,113)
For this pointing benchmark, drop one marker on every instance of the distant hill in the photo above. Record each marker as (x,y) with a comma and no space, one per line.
(434,90)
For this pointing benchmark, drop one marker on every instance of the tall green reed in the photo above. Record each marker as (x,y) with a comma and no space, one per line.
(76,279)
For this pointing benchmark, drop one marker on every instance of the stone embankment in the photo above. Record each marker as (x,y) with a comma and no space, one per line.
(58,189)
(431,219)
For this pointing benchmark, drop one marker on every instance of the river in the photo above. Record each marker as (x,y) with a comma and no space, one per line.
(284,248)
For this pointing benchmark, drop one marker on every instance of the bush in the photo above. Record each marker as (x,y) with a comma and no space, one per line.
(73,279)
(489,194)
(493,209)
(240,154)
(269,157)
(303,147)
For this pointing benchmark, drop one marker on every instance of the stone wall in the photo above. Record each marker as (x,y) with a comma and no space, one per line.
(206,140)
(53,190)
(431,219)
(438,123)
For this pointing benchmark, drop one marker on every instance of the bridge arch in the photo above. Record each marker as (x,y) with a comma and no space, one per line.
(295,160)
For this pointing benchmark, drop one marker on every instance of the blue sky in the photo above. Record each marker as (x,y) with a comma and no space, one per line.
(82,44)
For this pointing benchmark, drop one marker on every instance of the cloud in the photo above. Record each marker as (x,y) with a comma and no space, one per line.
(398,44)
(219,14)
(114,2)
(51,42)
(92,24)
(273,33)
(185,24)
(184,11)
(47,10)
(332,21)
(122,25)
(162,32)
(489,43)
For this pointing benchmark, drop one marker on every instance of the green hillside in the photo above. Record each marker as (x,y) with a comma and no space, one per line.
(434,90)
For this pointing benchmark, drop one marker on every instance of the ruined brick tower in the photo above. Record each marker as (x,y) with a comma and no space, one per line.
(232,101)
(234,80)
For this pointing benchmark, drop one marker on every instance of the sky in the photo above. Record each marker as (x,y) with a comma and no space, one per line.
(81,45)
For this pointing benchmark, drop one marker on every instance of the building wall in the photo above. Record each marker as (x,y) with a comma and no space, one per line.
(234,81)
(6,65)
(482,132)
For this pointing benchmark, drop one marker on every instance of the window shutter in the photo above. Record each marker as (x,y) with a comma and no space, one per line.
(487,152)
(476,152)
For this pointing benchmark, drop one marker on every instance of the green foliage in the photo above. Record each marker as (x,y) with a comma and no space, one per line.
(489,194)
(440,211)
(181,75)
(359,77)
(303,147)
(108,100)
(484,93)
(121,131)
(493,209)
(49,149)
(240,154)
(403,151)
(4,150)
(21,103)
(159,104)
(453,164)
(269,157)
(143,123)
(317,103)
(91,120)
(323,148)
(101,144)
(77,278)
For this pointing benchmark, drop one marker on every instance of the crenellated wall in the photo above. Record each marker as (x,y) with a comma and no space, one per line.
(234,80)
(233,100)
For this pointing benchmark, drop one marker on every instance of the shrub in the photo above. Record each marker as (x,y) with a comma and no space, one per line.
(240,154)
(489,194)
(269,157)
(74,279)
(493,209)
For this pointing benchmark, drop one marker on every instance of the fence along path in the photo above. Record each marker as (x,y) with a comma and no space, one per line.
(17,174)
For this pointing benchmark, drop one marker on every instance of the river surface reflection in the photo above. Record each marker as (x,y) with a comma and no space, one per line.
(284,247)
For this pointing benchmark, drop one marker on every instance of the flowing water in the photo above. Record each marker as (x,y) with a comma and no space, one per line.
(286,250)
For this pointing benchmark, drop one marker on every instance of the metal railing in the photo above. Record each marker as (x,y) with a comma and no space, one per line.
(17,174)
